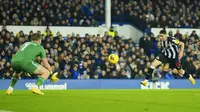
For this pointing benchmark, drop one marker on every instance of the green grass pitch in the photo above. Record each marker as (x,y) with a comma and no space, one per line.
(102,101)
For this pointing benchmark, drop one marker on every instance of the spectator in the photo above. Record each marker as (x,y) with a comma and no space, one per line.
(85,75)
(7,75)
(48,33)
(194,35)
(1,71)
(111,32)
(96,76)
(83,67)
(75,73)
(66,74)
(169,75)
(159,72)
(178,35)
(146,43)
(103,75)
(112,75)
(146,74)
(140,75)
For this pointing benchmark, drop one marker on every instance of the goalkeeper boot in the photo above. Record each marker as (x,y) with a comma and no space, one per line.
(9,91)
(144,83)
(191,79)
(36,91)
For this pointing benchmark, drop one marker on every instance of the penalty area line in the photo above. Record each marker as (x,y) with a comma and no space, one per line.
(6,111)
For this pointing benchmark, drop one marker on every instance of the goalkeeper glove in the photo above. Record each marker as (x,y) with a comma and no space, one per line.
(54,77)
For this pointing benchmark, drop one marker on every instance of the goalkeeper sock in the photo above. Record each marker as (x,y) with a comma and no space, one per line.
(40,81)
(13,81)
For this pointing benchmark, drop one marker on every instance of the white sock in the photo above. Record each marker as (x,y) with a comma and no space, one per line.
(10,88)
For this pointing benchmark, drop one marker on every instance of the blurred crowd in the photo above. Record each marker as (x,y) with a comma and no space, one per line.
(155,13)
(160,13)
(52,12)
(76,57)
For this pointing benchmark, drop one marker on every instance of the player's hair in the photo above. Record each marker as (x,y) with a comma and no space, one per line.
(163,32)
(36,36)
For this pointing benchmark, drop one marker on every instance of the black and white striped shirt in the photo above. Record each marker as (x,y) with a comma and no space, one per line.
(169,48)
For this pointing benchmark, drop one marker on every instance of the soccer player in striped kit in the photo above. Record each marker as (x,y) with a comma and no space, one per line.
(171,52)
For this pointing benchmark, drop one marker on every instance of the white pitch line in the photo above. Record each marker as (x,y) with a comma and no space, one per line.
(6,111)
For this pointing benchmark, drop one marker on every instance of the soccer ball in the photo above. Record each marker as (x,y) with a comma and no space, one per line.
(113,58)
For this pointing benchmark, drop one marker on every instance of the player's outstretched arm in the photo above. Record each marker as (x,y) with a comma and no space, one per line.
(53,77)
(46,64)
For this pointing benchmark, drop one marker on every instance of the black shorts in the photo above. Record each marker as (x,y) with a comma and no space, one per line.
(173,63)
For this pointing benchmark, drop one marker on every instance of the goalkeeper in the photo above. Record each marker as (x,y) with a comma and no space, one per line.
(23,61)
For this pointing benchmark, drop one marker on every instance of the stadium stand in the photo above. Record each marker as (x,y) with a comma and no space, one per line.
(92,63)
(146,14)
(161,13)
(89,56)
(52,12)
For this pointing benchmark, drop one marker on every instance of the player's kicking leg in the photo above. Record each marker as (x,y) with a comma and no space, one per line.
(154,64)
(183,72)
(14,80)
(191,79)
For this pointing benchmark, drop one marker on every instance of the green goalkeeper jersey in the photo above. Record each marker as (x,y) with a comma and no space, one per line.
(28,52)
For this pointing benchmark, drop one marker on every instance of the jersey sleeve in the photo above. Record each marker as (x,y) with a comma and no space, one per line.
(174,40)
(42,53)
